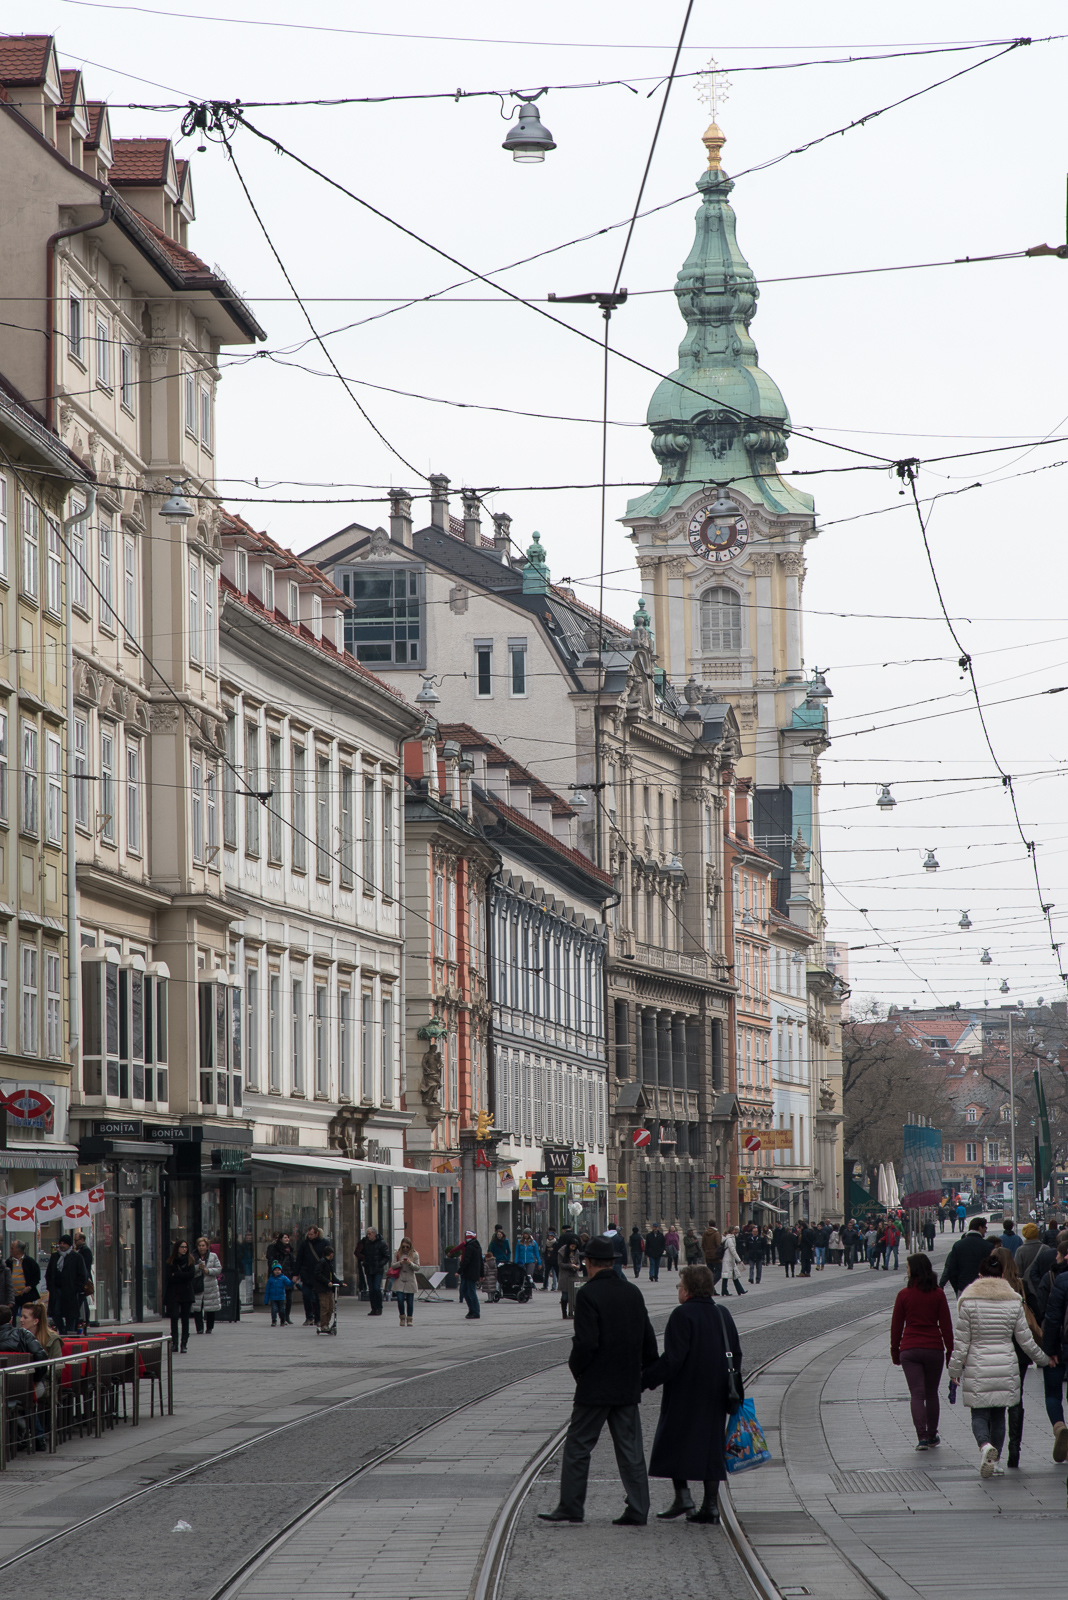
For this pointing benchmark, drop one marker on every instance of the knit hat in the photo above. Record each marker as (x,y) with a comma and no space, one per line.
(1030,1230)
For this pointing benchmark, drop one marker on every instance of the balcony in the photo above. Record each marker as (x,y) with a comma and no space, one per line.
(671,961)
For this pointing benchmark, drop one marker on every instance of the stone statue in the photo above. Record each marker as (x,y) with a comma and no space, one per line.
(430,1087)
(826,1097)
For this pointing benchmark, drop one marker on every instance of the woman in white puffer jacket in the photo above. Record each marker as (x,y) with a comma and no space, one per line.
(989,1317)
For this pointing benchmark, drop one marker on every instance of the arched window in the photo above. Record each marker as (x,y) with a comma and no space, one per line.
(721,620)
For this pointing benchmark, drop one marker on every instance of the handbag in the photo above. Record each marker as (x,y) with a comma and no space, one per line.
(394,1272)
(746,1445)
(734,1388)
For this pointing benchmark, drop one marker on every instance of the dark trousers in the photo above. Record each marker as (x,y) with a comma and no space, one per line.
(311,1304)
(405,1303)
(1053,1379)
(806,1263)
(850,1252)
(789,1267)
(758,1268)
(374,1290)
(923,1369)
(469,1295)
(654,1268)
(183,1312)
(66,1321)
(584,1430)
(988,1426)
(279,1313)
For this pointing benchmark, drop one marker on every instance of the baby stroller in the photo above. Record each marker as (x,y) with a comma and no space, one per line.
(513,1282)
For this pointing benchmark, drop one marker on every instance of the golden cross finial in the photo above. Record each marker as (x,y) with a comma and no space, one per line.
(713,87)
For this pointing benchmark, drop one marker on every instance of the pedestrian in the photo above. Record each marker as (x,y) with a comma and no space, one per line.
(375,1262)
(759,1250)
(326,1283)
(1010,1239)
(499,1248)
(929,1232)
(613,1344)
(276,1293)
(672,1243)
(65,1280)
(178,1281)
(1053,1297)
(961,1212)
(281,1253)
(891,1244)
(655,1245)
(568,1262)
(850,1240)
(962,1262)
(1016,1412)
(82,1247)
(712,1249)
(471,1275)
(636,1246)
(921,1340)
(527,1253)
(871,1245)
(1028,1251)
(732,1262)
(989,1318)
(700,1345)
(308,1257)
(693,1255)
(25,1275)
(207,1301)
(619,1248)
(807,1248)
(823,1239)
(788,1251)
(406,1261)
(552,1244)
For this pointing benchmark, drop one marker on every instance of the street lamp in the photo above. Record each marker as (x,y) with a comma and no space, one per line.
(930,865)
(176,507)
(986,959)
(529,139)
(886,801)
(965,921)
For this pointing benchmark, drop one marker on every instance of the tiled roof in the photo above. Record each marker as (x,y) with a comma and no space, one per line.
(469,738)
(24,60)
(517,819)
(96,109)
(263,542)
(140,162)
(69,80)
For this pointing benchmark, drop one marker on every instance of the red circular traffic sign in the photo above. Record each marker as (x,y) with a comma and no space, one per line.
(753,1142)
(642,1136)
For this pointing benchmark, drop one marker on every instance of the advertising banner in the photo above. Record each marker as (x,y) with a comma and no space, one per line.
(921,1168)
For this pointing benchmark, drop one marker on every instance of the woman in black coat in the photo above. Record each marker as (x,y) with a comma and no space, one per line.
(788,1251)
(178,1289)
(699,1340)
(636,1245)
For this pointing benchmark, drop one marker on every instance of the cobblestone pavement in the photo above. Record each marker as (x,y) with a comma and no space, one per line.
(247,1378)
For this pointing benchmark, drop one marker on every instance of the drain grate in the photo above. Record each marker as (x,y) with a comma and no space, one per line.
(883,1482)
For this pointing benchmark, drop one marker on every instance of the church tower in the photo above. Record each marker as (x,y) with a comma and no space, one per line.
(720,546)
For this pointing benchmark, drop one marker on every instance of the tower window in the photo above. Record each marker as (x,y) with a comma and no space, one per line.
(721,620)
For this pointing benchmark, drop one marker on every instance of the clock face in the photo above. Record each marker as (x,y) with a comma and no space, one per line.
(717,539)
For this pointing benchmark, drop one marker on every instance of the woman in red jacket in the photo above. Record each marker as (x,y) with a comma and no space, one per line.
(921,1341)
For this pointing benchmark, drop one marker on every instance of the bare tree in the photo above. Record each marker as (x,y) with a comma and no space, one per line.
(884,1083)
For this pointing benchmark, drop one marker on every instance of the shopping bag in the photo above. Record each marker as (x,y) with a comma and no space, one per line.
(746,1444)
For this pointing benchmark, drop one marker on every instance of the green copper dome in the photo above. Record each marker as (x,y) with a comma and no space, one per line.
(718,417)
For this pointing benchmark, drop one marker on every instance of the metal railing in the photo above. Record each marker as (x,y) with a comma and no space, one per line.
(33,1392)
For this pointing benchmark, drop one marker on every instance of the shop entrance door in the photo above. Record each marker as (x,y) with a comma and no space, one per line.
(129,1260)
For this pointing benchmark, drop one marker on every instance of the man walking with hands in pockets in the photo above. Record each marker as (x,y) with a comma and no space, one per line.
(613,1342)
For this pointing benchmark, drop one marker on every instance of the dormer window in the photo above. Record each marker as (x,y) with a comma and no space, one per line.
(317,616)
(268,586)
(972,1114)
(241,570)
(294,603)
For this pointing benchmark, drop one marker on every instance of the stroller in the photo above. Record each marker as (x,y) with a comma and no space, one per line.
(513,1282)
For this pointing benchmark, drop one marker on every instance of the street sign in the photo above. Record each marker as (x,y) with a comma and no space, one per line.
(559,1186)
(621,1191)
(640,1137)
(778,1139)
(753,1142)
(526,1189)
(589,1191)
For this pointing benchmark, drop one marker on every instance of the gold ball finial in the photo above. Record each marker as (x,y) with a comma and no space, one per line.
(713,140)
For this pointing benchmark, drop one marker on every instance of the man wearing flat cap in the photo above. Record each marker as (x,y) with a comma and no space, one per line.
(613,1342)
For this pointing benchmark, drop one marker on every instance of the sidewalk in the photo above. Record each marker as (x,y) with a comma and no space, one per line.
(848,1498)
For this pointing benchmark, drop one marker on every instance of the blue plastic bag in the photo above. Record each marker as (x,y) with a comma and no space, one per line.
(746,1444)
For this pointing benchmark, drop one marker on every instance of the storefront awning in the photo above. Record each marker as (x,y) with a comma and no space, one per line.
(41,1157)
(765,1205)
(340,1169)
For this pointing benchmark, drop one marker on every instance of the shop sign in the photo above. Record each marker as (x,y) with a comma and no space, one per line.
(558,1161)
(542,1181)
(230,1158)
(117,1128)
(28,1108)
(173,1135)
(578,1163)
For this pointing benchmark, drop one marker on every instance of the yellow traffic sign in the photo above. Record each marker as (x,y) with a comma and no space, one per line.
(560,1186)
(589,1191)
(621,1191)
(526,1189)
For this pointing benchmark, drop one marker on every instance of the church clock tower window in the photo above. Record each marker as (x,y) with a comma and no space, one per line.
(721,621)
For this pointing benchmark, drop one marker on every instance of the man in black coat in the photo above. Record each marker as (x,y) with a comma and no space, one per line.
(65,1280)
(471,1271)
(655,1245)
(308,1258)
(613,1342)
(962,1263)
(1055,1344)
(374,1258)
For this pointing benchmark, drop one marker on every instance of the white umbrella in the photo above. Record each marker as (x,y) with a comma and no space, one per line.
(891,1182)
(881,1189)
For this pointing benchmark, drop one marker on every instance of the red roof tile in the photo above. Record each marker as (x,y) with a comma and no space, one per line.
(96,109)
(469,738)
(140,162)
(524,823)
(24,60)
(69,80)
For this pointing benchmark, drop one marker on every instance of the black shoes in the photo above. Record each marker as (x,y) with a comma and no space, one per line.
(559,1515)
(629,1519)
(681,1503)
(706,1514)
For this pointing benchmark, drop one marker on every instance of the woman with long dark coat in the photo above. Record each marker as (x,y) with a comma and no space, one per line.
(788,1251)
(699,1340)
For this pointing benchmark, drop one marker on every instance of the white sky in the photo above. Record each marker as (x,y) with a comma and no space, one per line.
(918,363)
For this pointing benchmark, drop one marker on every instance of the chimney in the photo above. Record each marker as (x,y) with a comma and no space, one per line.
(439,501)
(400,517)
(502,539)
(472,525)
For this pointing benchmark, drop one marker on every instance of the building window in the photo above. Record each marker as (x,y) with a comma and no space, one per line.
(368,833)
(300,810)
(76,325)
(367,1045)
(484,668)
(346,828)
(252,786)
(317,616)
(30,538)
(54,574)
(29,778)
(274,813)
(198,810)
(133,796)
(52,1005)
(344,1042)
(252,1028)
(721,621)
(322,817)
(971,1115)
(387,1051)
(294,604)
(205,418)
(107,786)
(970,1152)
(103,354)
(3,527)
(274,1032)
(129,587)
(194,609)
(268,589)
(439,915)
(517,661)
(3,995)
(241,570)
(127,389)
(230,784)
(452,919)
(79,574)
(191,404)
(3,766)
(384,623)
(211,808)
(322,1043)
(28,1036)
(53,790)
(104,579)
(211,653)
(298,1036)
(387,841)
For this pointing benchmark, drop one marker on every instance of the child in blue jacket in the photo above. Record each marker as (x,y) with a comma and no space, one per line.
(274,1295)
